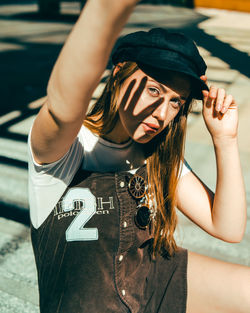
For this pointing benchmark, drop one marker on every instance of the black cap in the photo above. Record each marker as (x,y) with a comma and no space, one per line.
(159,50)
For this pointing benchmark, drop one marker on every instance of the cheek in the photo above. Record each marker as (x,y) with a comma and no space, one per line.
(142,103)
(127,122)
(172,114)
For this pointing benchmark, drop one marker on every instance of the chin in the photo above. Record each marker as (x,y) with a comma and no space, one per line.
(143,140)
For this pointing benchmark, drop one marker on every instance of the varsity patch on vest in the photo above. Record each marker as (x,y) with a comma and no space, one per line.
(82,205)
(87,206)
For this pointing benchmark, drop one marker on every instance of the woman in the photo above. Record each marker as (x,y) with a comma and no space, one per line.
(103,195)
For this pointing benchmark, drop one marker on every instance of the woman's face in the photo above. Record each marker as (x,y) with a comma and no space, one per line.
(146,106)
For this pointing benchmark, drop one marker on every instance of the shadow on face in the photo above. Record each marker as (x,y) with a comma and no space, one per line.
(177,81)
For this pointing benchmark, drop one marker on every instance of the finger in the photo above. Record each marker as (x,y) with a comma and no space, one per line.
(213,92)
(228,103)
(233,105)
(221,93)
(205,95)
(204,78)
(211,97)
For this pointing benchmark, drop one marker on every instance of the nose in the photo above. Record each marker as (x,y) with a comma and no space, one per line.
(161,112)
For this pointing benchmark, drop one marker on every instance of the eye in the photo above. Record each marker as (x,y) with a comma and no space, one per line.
(155,92)
(176,103)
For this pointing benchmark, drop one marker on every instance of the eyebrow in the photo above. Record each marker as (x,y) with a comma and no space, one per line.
(165,90)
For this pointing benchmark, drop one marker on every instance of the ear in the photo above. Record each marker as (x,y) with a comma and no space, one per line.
(117,68)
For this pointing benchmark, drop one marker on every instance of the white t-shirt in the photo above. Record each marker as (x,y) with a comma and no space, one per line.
(47,183)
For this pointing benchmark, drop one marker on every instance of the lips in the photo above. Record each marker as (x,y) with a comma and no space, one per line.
(150,127)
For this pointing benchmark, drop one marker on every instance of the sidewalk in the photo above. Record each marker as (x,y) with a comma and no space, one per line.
(28,49)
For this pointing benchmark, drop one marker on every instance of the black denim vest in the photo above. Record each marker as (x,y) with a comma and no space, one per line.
(90,255)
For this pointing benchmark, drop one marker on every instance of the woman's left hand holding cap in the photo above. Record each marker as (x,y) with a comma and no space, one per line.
(219,112)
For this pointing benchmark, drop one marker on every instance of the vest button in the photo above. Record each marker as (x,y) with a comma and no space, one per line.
(122,184)
(123,292)
(120,257)
(125,224)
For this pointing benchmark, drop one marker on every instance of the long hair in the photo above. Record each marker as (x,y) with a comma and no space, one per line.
(102,117)
(164,154)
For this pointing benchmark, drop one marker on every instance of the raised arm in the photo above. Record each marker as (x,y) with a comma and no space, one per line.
(222,214)
(75,76)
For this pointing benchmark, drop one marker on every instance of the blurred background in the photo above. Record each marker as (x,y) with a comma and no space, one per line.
(31,36)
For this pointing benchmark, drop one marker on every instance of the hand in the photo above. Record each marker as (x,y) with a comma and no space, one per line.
(220,113)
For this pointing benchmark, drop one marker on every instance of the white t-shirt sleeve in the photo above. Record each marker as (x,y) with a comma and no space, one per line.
(185,168)
(48,182)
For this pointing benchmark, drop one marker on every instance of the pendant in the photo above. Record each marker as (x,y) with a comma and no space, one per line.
(137,186)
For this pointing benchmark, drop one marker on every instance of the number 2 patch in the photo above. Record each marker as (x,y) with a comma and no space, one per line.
(76,230)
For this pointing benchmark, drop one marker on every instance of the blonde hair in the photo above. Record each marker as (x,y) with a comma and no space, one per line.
(103,116)
(164,154)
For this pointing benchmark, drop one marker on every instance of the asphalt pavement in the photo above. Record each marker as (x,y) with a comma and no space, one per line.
(29,45)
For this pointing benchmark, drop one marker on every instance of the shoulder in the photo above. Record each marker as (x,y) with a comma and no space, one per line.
(61,168)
